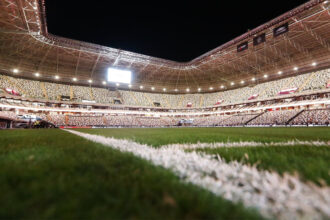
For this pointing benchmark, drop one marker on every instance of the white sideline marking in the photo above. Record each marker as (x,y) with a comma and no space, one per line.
(245,144)
(273,195)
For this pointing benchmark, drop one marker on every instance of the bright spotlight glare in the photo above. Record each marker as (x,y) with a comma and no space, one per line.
(57,77)
(119,76)
(15,70)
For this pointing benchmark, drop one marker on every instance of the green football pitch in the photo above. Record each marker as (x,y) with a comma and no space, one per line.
(47,174)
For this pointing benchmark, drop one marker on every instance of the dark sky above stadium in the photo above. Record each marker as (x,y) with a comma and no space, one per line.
(176,30)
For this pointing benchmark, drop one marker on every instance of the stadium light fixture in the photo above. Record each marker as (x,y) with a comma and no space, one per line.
(211,88)
(314,64)
(188,90)
(222,86)
(152,88)
(176,90)
(117,84)
(265,76)
(104,82)
(253,79)
(199,89)
(90,81)
(56,77)
(119,76)
(295,68)
(242,82)
(37,74)
(232,83)
(164,89)
(74,79)
(141,87)
(279,72)
(15,70)
(129,86)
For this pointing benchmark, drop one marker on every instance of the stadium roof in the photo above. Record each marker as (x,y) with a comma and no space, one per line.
(26,45)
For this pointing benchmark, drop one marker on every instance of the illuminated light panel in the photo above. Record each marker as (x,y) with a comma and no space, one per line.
(176,90)
(253,79)
(119,76)
(152,88)
(279,72)
(141,87)
(199,89)
(188,90)
(37,74)
(232,83)
(314,64)
(295,68)
(211,88)
(74,79)
(15,70)
(242,82)
(56,77)
(90,81)
(164,89)
(222,86)
(265,76)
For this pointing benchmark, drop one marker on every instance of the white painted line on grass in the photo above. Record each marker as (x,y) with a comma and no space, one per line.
(273,195)
(244,144)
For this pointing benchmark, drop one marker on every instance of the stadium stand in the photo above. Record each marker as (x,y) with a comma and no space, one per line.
(279,117)
(233,106)
(302,83)
(312,117)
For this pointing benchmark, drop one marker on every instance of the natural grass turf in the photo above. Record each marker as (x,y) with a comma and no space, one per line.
(52,174)
(310,162)
(163,136)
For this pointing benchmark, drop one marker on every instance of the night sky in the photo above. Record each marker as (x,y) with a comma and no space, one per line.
(176,30)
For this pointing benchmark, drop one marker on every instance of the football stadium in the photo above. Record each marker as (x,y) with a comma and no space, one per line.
(93,132)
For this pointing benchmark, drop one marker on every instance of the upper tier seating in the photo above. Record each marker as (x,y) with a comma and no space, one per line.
(30,88)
